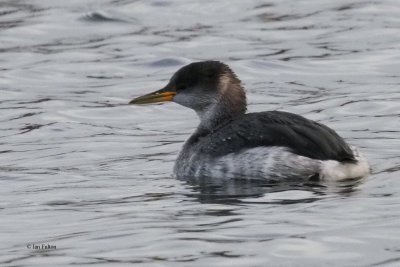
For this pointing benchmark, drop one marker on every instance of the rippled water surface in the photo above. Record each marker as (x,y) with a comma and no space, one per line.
(83,171)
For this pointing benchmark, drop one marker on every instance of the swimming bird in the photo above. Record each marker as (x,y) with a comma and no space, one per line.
(230,143)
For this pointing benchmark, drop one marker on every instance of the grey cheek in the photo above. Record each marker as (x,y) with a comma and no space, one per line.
(182,99)
(193,101)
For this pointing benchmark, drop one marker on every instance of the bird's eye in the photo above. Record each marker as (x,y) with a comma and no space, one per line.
(181,87)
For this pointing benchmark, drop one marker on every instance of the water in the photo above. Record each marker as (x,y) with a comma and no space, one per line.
(84,172)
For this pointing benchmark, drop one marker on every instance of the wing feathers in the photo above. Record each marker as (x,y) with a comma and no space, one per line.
(275,128)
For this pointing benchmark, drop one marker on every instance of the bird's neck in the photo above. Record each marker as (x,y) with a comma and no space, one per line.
(230,104)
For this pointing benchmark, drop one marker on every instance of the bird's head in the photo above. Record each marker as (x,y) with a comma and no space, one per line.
(200,86)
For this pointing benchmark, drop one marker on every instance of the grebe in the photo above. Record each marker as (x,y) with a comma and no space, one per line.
(229,143)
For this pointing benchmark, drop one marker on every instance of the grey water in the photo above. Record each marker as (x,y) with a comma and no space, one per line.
(90,176)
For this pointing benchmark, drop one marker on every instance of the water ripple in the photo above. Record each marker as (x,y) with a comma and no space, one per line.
(82,170)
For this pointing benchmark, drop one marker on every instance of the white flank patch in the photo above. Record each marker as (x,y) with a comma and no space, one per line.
(334,170)
(276,162)
(260,162)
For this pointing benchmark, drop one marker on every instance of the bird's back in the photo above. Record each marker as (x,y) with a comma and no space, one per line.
(274,128)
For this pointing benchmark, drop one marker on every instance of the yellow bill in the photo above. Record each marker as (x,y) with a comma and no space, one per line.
(157,96)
